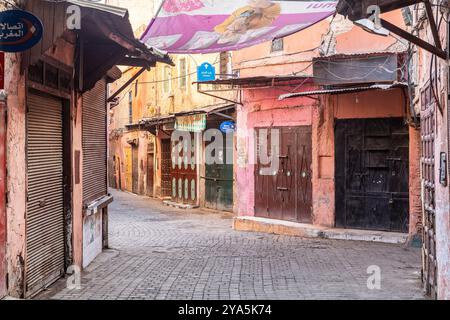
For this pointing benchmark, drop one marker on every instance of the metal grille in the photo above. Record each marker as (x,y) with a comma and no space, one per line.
(429,272)
(45,206)
(94,143)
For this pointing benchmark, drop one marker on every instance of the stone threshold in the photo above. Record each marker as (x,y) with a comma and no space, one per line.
(179,205)
(255,224)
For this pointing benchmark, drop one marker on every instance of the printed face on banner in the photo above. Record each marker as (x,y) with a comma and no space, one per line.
(206,26)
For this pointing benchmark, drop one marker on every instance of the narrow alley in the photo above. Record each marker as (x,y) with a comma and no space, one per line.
(158,252)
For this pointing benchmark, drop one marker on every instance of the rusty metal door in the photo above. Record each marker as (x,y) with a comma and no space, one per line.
(428,124)
(286,193)
(184,172)
(219,179)
(45,239)
(166,164)
(94,143)
(372,174)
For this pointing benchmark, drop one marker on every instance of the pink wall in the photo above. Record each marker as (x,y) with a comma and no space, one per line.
(262,109)
(16,166)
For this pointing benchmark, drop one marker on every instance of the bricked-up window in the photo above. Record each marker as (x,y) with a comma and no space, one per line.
(130,107)
(183,73)
(277,45)
(166,79)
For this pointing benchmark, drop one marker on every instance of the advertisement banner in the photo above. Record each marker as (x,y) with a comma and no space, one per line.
(208,26)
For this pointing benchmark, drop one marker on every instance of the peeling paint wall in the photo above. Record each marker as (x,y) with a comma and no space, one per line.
(262,109)
(425,61)
(16,166)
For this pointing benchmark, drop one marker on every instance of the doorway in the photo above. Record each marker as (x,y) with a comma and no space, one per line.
(372,174)
(286,193)
(166,164)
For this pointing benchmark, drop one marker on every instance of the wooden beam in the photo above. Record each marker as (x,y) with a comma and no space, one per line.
(413,39)
(135,62)
(357,9)
(130,81)
(433,26)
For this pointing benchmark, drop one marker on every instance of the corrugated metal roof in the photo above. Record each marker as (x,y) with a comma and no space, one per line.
(343,90)
(253,80)
(357,55)
(209,109)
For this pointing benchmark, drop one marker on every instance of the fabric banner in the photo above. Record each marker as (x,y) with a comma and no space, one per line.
(208,26)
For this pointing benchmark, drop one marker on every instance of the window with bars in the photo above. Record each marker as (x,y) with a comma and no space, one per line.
(277,45)
(130,107)
(224,64)
(183,73)
(167,74)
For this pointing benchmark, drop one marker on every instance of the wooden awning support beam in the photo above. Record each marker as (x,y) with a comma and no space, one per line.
(130,81)
(415,40)
(358,10)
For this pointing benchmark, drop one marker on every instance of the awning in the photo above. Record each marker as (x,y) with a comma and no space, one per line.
(218,108)
(343,90)
(105,39)
(253,82)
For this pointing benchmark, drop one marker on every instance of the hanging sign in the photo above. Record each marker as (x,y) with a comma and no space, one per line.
(206,72)
(191,123)
(2,71)
(228,127)
(19,30)
(208,26)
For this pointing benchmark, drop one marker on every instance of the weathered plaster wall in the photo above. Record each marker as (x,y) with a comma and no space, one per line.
(442,193)
(16,166)
(262,109)
(77,193)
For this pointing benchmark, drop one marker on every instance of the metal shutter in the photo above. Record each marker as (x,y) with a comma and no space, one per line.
(45,206)
(94,143)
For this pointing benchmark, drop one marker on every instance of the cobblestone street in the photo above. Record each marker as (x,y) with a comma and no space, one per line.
(159,252)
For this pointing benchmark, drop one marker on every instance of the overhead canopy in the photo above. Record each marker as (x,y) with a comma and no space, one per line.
(204,26)
(217,108)
(343,90)
(105,39)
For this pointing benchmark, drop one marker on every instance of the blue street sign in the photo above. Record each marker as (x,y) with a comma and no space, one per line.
(206,72)
(228,127)
(19,30)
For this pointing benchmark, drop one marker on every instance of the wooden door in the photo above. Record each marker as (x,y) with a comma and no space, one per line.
(166,164)
(184,172)
(285,193)
(372,174)
(135,168)
(150,173)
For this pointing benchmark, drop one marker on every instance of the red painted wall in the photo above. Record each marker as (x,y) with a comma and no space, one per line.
(2,199)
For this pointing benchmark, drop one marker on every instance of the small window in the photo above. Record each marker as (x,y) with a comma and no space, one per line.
(224,64)
(130,107)
(183,73)
(167,79)
(277,45)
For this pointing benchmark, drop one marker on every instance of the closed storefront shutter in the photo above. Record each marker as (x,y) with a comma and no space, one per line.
(94,143)
(45,206)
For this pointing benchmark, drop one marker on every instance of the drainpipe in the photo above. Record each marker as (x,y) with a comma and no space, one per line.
(2,191)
